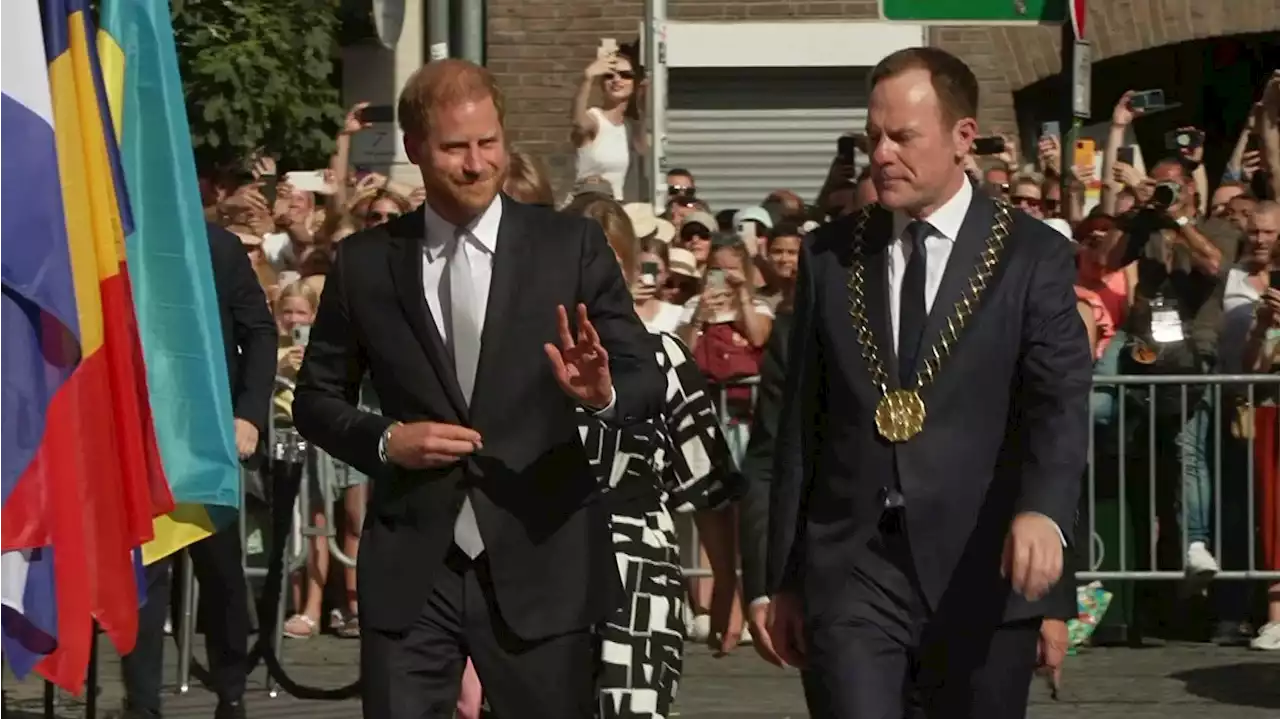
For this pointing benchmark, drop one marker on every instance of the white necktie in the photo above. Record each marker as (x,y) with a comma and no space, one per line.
(464,339)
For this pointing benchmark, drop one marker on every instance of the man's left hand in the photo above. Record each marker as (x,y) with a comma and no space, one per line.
(581,366)
(246,438)
(1051,650)
(1032,555)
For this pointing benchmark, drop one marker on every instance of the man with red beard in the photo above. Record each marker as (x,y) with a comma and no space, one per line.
(485,324)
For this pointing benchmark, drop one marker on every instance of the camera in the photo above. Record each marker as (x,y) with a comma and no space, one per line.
(1165,194)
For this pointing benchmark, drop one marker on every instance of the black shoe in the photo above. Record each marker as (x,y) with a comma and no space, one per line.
(230,710)
(128,712)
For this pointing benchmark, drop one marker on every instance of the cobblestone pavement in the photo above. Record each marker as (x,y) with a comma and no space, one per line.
(1169,681)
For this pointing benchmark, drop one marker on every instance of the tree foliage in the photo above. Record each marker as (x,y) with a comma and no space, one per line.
(258,76)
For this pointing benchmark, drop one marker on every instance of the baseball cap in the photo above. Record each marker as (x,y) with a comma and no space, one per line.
(701,218)
(759,214)
(682,262)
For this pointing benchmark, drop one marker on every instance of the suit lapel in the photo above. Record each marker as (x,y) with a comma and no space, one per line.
(878,237)
(405,256)
(509,266)
(970,243)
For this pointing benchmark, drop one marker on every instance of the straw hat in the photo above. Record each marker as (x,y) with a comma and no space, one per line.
(682,262)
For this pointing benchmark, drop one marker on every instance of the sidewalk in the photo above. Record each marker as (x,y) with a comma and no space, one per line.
(1172,681)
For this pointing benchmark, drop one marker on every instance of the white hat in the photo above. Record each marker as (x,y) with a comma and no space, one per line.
(1062,226)
(759,214)
(643,220)
(682,262)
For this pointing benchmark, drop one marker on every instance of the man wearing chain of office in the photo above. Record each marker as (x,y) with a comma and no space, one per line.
(930,454)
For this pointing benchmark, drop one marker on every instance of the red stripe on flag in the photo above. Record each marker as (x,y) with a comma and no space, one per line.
(105,485)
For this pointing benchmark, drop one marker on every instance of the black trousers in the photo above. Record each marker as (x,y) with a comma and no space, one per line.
(223,612)
(875,651)
(415,673)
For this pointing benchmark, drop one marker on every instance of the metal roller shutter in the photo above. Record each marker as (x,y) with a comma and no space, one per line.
(744,133)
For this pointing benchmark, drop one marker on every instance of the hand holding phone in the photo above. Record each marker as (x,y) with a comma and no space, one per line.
(301,335)
(1050,129)
(270,185)
(1125,154)
(377,113)
(608,48)
(988,145)
(1147,100)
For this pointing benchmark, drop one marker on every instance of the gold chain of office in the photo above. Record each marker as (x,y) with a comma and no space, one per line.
(900,414)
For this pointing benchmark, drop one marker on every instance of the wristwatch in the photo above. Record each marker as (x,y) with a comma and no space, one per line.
(1183,221)
(382,442)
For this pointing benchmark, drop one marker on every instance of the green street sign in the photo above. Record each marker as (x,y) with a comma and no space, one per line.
(975,12)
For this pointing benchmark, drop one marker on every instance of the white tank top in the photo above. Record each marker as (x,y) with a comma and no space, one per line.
(607,154)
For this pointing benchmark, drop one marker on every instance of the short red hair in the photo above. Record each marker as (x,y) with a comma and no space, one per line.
(442,83)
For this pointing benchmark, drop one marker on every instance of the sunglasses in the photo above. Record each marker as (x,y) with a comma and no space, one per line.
(1021,200)
(378,217)
(621,75)
(674,190)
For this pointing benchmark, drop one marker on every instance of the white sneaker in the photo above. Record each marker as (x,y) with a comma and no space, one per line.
(1268,639)
(1201,565)
(700,627)
(746,635)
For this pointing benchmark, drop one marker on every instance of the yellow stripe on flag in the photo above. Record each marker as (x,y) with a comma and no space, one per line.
(179,529)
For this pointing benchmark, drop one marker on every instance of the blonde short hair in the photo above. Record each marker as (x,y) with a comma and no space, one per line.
(616,224)
(442,83)
(527,179)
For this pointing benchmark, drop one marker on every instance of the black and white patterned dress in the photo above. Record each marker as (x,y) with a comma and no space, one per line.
(679,463)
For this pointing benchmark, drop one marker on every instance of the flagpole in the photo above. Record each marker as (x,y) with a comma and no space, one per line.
(91,681)
(50,694)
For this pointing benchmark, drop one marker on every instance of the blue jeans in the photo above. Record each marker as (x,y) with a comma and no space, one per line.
(1197,484)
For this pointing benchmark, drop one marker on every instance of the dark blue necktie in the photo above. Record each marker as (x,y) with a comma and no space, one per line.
(912,311)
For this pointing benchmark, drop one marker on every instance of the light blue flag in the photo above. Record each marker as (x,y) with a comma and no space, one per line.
(171,269)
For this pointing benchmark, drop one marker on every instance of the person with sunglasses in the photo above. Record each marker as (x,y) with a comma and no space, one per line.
(600,132)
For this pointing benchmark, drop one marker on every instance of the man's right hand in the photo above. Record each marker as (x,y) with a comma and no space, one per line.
(786,629)
(428,445)
(758,621)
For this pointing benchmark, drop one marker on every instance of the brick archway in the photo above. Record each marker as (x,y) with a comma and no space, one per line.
(1007,59)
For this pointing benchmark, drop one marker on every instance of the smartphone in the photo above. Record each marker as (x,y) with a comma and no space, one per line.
(1125,154)
(1050,129)
(1253,144)
(378,113)
(846,149)
(307,181)
(1275,279)
(716,280)
(747,233)
(1147,100)
(649,274)
(1086,152)
(608,48)
(269,183)
(1183,139)
(988,146)
(301,335)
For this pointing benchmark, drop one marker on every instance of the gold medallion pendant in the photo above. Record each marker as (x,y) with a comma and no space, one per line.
(900,415)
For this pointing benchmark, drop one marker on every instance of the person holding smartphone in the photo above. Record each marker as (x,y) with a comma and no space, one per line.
(657,314)
(600,132)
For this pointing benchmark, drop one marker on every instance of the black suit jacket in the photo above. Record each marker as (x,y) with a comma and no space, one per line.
(1007,424)
(249,333)
(757,463)
(536,501)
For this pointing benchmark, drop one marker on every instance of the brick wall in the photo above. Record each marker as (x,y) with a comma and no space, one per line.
(539,48)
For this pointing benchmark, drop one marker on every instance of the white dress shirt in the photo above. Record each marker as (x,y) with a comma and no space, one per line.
(945,223)
(480,243)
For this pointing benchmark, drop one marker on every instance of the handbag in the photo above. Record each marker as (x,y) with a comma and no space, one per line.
(724,355)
